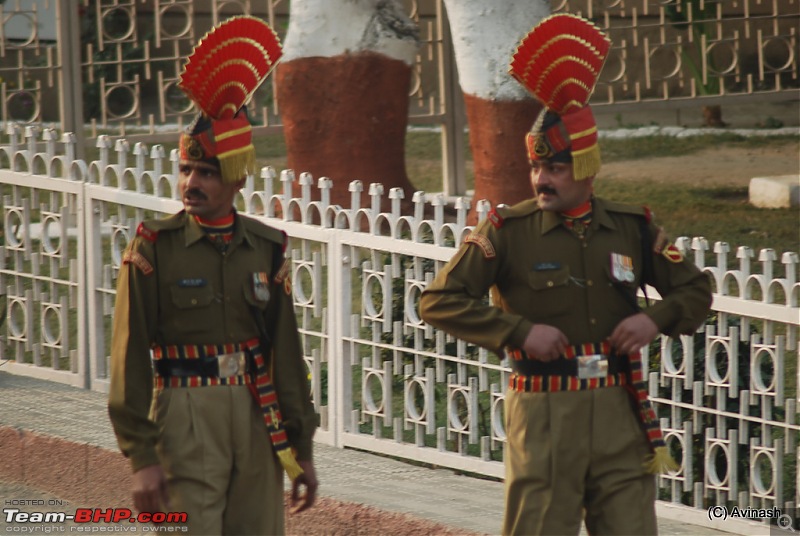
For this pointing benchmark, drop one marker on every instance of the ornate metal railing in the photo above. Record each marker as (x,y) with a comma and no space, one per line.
(383,380)
(114,64)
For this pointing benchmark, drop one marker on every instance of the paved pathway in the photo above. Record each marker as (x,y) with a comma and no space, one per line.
(347,475)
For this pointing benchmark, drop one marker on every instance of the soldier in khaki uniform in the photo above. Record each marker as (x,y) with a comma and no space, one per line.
(209,393)
(564,269)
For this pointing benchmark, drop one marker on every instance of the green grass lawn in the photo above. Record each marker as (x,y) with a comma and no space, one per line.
(720,214)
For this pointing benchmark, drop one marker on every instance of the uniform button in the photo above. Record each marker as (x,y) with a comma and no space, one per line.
(592,321)
(550,283)
(590,282)
(585,245)
(194,302)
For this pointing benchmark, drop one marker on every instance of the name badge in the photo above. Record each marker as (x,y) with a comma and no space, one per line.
(592,366)
(261,286)
(192,283)
(542,266)
(622,268)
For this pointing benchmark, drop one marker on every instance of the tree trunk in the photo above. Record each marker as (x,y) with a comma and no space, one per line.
(499,110)
(342,90)
(497,140)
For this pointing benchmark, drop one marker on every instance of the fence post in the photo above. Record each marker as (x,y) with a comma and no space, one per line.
(453,157)
(340,360)
(69,55)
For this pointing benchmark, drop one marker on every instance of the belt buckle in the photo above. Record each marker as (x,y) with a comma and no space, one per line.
(231,364)
(592,366)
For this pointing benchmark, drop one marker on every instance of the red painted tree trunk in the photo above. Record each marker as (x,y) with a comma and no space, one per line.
(345,118)
(497,138)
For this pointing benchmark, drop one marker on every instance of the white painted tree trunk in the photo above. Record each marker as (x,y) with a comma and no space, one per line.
(328,28)
(485,36)
(342,91)
(499,110)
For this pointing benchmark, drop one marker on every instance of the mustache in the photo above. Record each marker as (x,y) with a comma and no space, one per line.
(194,192)
(547,190)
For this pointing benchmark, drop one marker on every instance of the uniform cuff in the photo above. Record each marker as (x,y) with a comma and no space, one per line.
(145,458)
(305,452)
(662,316)
(519,334)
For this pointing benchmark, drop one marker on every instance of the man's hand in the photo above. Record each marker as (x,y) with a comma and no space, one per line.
(309,480)
(545,343)
(150,489)
(632,333)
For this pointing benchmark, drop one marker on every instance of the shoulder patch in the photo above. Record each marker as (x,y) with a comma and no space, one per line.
(147,234)
(673,254)
(482,242)
(283,277)
(137,259)
(282,274)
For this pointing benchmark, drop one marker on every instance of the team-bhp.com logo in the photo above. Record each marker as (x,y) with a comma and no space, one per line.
(20,521)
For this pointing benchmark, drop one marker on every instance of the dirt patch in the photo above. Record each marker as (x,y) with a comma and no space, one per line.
(719,166)
(330,517)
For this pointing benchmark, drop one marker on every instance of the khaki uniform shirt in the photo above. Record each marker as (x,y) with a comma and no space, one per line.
(176,287)
(544,273)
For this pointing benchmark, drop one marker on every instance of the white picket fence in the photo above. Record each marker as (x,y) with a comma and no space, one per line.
(382,379)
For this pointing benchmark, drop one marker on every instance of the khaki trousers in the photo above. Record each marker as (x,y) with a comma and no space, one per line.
(220,466)
(576,453)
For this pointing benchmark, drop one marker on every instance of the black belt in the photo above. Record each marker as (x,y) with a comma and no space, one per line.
(562,366)
(218,366)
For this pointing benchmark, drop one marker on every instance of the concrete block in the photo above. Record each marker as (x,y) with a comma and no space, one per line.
(775,192)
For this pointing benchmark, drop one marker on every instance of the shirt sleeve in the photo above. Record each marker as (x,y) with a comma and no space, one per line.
(685,293)
(455,301)
(290,373)
(131,388)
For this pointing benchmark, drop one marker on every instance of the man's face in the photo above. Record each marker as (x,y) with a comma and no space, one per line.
(556,188)
(203,191)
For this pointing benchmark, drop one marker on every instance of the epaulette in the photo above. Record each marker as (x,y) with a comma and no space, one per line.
(146,233)
(264,231)
(501,213)
(149,229)
(636,210)
(496,218)
(275,236)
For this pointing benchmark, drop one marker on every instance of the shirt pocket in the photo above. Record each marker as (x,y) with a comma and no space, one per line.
(552,292)
(191,297)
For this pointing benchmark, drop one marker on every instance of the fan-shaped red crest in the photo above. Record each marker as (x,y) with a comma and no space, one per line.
(229,63)
(560,60)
